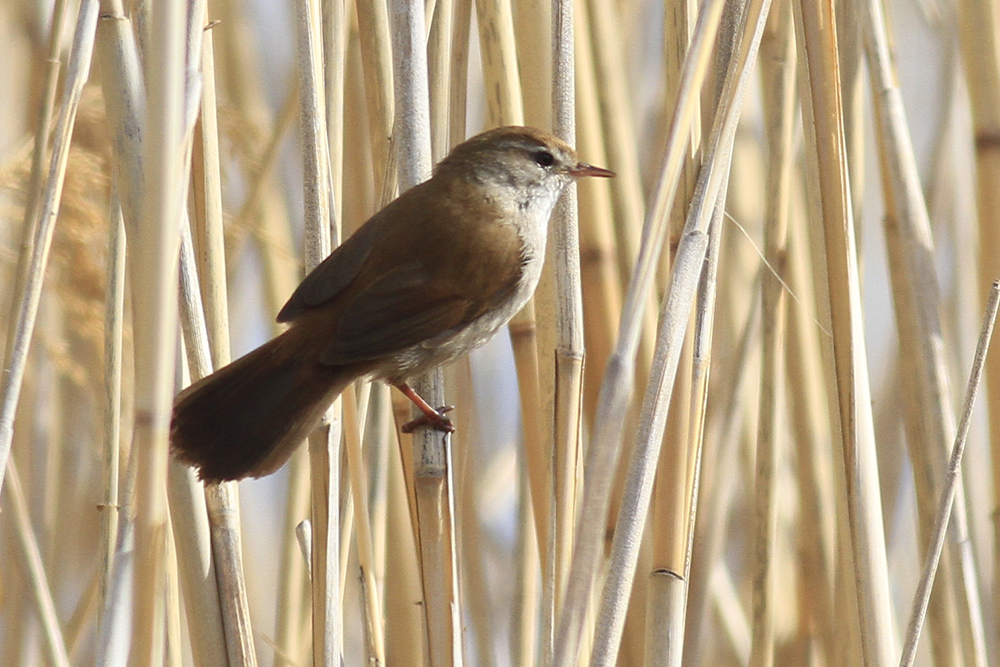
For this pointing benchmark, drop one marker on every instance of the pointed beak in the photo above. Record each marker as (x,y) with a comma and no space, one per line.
(583,169)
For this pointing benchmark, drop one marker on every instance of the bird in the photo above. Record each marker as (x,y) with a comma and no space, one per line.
(430,277)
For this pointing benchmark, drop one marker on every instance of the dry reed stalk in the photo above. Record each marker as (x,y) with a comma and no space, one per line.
(376,60)
(669,518)
(174,656)
(293,628)
(375,643)
(31,561)
(124,98)
(405,636)
(24,622)
(43,207)
(26,303)
(471,538)
(325,549)
(113,640)
(82,619)
(778,69)
(206,188)
(678,476)
(526,616)
(211,303)
(433,481)
(504,105)
(978,23)
(29,223)
(569,341)
(241,77)
(679,20)
(476,550)
(272,234)
(956,622)
(952,483)
(222,505)
(633,645)
(504,64)
(600,276)
(537,435)
(829,184)
(534,63)
(532,338)
(291,641)
(331,147)
(52,318)
(439,62)
(215,591)
(192,538)
(717,489)
(335,31)
(114,315)
(809,424)
(401,413)
(618,375)
(459,69)
(533,30)
(845,615)
(154,281)
(666,602)
(438,557)
(850,49)
(324,443)
(620,136)
(678,481)
(377,433)
(622,155)
(346,531)
(191,533)
(728,608)
(315,146)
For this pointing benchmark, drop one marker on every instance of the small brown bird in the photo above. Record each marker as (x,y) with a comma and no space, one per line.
(428,278)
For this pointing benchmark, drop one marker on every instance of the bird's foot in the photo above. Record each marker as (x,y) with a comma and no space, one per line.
(433,417)
(435,420)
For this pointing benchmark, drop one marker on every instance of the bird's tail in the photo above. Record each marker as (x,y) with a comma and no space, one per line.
(247,418)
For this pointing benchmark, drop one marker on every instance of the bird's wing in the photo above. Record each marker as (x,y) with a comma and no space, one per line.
(398,310)
(335,272)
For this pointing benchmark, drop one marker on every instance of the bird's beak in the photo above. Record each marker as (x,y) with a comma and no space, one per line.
(583,169)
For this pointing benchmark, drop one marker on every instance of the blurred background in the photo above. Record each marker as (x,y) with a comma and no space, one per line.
(60,430)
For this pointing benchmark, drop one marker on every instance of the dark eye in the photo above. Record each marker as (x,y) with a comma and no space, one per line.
(544,159)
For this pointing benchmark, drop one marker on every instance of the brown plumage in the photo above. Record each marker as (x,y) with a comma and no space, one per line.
(429,277)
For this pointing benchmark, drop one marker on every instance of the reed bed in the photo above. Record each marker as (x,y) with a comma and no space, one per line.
(737,425)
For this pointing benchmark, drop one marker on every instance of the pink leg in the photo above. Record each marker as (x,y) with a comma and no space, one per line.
(433,418)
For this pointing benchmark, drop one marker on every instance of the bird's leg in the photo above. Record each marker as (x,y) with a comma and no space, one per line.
(434,418)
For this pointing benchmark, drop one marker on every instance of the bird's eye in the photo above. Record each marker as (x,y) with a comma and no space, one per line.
(544,159)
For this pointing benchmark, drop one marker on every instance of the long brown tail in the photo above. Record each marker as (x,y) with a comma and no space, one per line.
(247,418)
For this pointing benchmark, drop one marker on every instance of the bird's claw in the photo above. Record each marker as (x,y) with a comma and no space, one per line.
(437,421)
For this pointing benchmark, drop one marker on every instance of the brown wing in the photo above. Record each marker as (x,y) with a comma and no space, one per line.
(398,310)
(335,272)
(402,279)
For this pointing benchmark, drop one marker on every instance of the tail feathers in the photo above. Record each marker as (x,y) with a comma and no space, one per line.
(247,418)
